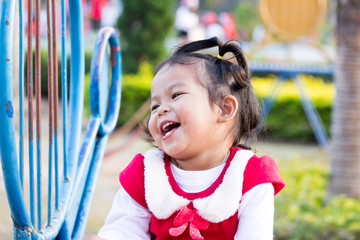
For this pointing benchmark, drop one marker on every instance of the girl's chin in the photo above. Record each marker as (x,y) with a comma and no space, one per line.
(172,151)
(175,152)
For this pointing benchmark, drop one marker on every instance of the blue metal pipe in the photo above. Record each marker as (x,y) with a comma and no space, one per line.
(64,81)
(50,182)
(75,117)
(62,222)
(105,36)
(55,103)
(21,92)
(8,155)
(89,190)
(291,69)
(30,111)
(311,113)
(270,100)
(77,66)
(38,107)
(77,214)
(78,184)
(51,109)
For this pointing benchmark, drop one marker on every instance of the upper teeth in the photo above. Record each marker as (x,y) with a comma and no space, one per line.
(166,125)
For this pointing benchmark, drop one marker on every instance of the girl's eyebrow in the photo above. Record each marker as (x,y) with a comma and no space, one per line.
(174,85)
(169,88)
(153,98)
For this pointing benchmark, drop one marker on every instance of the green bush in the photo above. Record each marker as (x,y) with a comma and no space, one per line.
(300,209)
(135,91)
(144,28)
(287,119)
(247,16)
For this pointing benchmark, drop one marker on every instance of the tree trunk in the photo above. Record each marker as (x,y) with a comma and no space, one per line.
(345,155)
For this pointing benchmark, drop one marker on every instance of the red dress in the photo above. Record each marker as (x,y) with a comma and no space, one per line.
(209,214)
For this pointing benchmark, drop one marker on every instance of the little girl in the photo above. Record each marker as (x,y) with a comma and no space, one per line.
(202,182)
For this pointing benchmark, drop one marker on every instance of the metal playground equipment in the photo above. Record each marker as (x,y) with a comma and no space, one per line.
(65,171)
(286,22)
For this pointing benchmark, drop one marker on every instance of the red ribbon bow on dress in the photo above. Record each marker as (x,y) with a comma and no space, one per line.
(189,216)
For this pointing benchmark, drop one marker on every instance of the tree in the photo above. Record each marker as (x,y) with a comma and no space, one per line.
(144,26)
(345,155)
(247,16)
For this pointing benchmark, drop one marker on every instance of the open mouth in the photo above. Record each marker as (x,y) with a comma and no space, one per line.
(168,127)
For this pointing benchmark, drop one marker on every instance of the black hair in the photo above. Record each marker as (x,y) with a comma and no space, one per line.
(222,77)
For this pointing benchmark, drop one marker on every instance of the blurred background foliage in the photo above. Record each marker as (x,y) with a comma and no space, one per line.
(287,108)
(144,32)
(301,212)
(147,27)
(285,122)
(143,37)
(144,28)
(300,209)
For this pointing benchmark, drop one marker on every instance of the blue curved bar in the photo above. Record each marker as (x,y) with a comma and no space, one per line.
(8,152)
(106,36)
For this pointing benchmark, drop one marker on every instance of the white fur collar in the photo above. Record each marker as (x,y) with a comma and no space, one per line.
(219,206)
(160,198)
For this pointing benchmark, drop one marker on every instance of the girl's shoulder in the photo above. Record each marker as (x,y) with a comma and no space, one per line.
(135,167)
(262,170)
(132,179)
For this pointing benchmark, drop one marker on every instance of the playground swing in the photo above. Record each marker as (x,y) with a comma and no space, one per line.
(70,191)
(285,22)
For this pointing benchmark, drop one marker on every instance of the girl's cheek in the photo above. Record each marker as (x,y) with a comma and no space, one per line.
(152,126)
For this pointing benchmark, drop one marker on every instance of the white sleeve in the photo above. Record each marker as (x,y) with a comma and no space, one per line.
(126,220)
(256,214)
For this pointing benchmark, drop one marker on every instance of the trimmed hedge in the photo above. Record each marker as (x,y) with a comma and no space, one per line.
(300,209)
(287,120)
(135,91)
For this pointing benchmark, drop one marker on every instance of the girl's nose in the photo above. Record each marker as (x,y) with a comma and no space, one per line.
(164,108)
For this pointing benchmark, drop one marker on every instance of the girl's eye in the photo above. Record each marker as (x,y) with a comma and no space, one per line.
(154,107)
(175,95)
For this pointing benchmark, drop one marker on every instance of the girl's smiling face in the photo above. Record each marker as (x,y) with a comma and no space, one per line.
(182,121)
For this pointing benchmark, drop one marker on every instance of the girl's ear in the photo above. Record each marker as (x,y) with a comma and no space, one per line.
(229,108)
